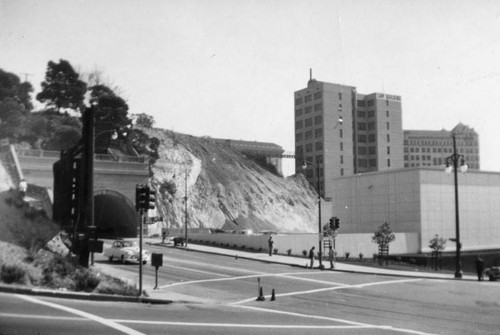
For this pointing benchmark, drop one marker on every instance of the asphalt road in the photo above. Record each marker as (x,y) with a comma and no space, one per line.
(220,292)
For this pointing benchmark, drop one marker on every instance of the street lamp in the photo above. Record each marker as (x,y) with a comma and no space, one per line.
(455,162)
(320,253)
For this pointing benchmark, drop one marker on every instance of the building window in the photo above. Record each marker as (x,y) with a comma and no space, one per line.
(298,124)
(373,162)
(318,107)
(371,125)
(388,138)
(308,98)
(361,103)
(341,146)
(342,172)
(308,122)
(388,163)
(387,102)
(362,163)
(318,132)
(317,95)
(341,133)
(298,112)
(387,113)
(308,109)
(362,150)
(362,138)
(298,101)
(318,119)
(361,114)
(309,147)
(299,150)
(371,138)
(371,114)
(319,159)
(361,126)
(309,135)
(340,95)
(372,150)
(319,146)
(298,137)
(387,125)
(341,159)
(370,103)
(388,150)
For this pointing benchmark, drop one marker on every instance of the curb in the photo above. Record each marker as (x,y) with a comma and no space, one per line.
(81,295)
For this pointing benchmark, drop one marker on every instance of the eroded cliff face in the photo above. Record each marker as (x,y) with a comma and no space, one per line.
(226,190)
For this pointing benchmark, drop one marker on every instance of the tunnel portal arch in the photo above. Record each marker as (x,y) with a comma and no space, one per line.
(114,214)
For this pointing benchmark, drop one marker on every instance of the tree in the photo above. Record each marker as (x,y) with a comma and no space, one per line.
(144,120)
(437,243)
(62,87)
(383,236)
(11,87)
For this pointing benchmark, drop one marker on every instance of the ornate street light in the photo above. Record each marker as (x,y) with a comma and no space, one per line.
(453,163)
(320,253)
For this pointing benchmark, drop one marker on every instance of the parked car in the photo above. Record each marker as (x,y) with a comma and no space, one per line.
(126,251)
(179,240)
(493,273)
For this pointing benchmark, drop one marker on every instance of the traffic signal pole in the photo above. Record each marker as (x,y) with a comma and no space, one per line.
(141,220)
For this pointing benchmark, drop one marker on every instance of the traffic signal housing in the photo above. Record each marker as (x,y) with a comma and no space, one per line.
(141,197)
(337,223)
(332,223)
(151,199)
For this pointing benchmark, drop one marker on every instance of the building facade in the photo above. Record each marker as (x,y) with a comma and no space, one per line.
(344,132)
(432,147)
(418,203)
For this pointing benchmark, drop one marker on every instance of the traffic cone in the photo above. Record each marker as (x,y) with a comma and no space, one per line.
(273,297)
(261,295)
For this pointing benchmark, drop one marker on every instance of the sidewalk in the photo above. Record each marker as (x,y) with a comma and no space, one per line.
(303,262)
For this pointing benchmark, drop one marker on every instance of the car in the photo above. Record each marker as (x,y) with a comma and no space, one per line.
(179,240)
(493,273)
(126,251)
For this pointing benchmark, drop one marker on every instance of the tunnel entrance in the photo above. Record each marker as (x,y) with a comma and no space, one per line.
(115,215)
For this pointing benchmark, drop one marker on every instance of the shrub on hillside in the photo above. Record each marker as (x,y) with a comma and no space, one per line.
(85,280)
(12,274)
(110,285)
(57,273)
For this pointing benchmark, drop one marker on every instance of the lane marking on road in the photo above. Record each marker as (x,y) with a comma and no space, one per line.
(353,324)
(109,323)
(289,275)
(330,289)
(198,271)
(42,317)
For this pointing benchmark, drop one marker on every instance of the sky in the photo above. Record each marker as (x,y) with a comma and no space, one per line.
(229,68)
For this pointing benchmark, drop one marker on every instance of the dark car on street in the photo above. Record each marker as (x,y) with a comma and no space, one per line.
(179,240)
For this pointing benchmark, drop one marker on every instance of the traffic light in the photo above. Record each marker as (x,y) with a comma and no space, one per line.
(151,199)
(141,197)
(332,223)
(337,223)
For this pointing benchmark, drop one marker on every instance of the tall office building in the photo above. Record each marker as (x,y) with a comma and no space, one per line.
(344,132)
(432,147)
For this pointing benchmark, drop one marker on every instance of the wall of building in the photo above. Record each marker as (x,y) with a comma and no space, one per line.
(421,202)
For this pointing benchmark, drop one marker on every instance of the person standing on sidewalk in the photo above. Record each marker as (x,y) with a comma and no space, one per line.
(23,187)
(479,268)
(270,242)
(311,257)
(331,257)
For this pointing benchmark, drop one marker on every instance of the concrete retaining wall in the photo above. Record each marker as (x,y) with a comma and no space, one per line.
(296,243)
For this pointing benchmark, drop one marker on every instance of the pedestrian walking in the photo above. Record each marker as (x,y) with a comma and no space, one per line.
(311,257)
(270,242)
(479,268)
(163,236)
(23,187)
(331,257)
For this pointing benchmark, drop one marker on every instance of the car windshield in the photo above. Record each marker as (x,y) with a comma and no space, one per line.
(128,244)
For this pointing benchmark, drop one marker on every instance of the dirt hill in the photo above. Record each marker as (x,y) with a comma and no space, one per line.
(225,189)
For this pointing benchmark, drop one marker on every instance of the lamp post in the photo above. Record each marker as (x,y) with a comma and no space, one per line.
(186,210)
(320,253)
(452,163)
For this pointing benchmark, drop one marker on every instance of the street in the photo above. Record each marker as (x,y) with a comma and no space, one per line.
(215,294)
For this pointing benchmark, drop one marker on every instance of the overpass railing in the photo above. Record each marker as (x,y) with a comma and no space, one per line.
(100,157)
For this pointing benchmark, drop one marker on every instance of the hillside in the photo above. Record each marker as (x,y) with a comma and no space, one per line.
(225,189)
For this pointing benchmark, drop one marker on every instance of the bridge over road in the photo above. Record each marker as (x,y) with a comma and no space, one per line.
(115,178)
